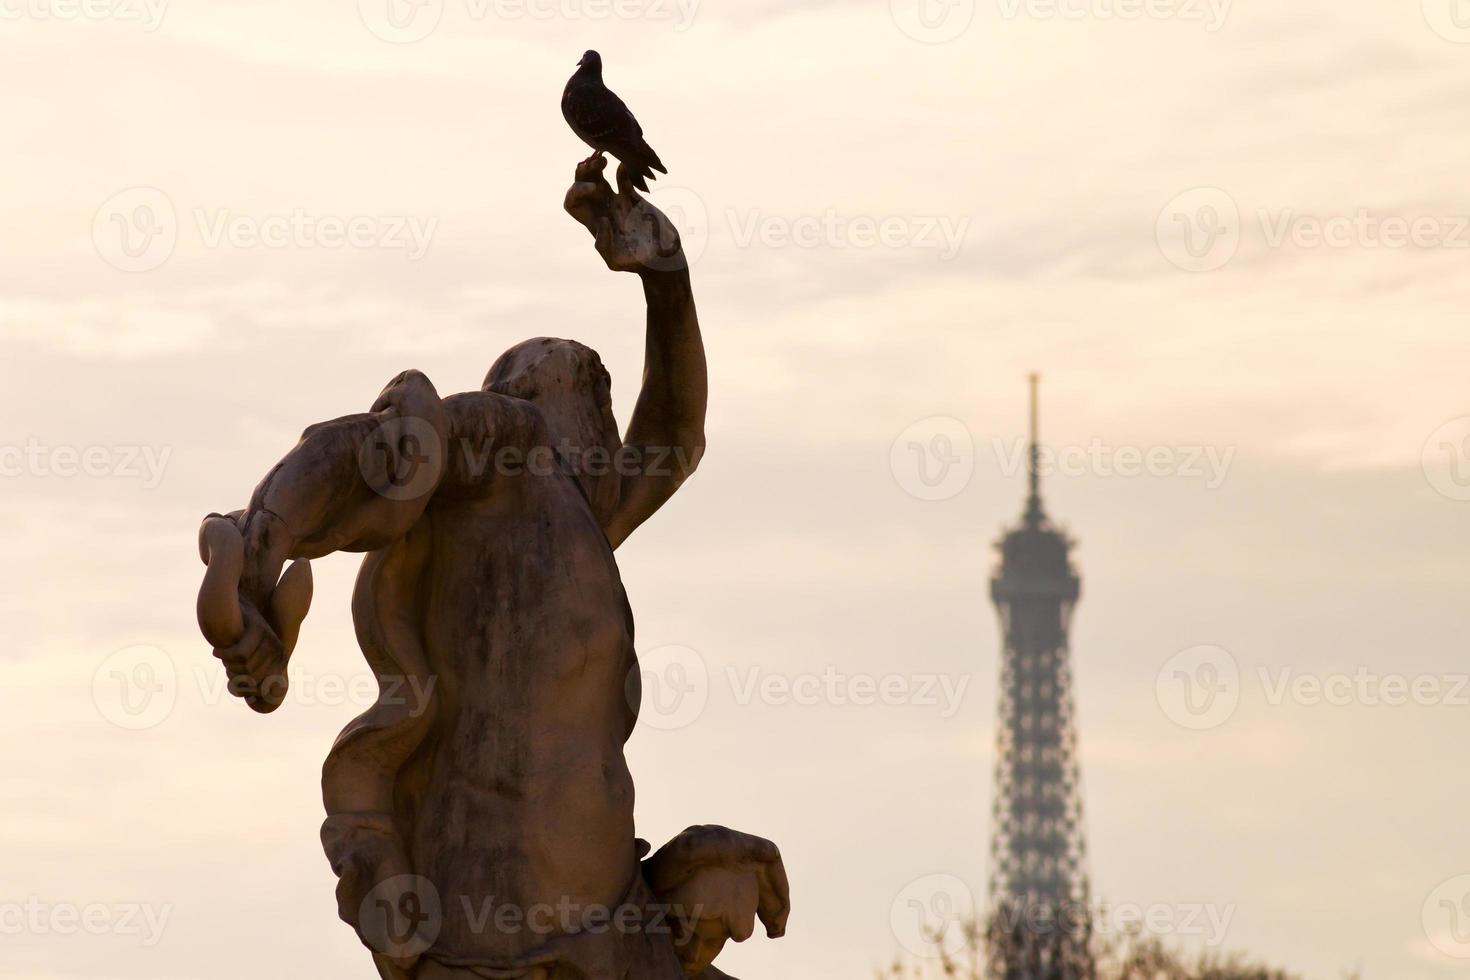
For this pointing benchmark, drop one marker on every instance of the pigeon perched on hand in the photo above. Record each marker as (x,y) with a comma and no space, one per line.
(603,122)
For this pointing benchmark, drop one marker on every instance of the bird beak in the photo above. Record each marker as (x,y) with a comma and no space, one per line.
(581,62)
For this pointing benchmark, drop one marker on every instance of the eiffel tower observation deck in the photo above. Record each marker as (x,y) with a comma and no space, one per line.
(1039,893)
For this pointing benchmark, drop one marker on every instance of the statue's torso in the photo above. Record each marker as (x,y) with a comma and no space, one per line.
(522,798)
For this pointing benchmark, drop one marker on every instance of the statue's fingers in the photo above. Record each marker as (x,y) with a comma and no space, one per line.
(239,683)
(706,844)
(232,659)
(266,703)
(290,603)
(264,656)
(218,608)
(266,686)
(744,903)
(775,899)
(260,661)
(713,844)
(237,655)
(592,169)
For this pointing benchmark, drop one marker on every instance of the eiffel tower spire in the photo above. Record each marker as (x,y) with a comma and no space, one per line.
(1035,515)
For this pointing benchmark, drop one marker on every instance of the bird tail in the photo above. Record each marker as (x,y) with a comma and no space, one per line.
(652,158)
(640,172)
(641,162)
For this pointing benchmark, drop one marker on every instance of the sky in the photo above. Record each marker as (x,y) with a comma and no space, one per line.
(1232,237)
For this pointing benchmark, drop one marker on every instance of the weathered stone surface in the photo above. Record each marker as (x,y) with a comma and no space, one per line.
(480,814)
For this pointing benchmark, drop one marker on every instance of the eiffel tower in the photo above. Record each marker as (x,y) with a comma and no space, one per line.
(1040,926)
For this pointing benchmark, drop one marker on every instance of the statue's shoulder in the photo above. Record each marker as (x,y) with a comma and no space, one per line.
(507,416)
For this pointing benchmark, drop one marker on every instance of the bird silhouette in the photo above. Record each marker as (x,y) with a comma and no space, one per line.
(603,122)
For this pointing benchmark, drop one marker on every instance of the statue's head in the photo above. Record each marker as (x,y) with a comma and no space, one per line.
(567,382)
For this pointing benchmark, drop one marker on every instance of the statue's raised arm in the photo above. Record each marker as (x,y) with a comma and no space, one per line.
(665,436)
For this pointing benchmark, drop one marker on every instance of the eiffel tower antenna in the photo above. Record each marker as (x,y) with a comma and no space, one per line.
(1034,513)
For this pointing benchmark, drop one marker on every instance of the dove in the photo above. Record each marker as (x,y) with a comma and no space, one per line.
(603,122)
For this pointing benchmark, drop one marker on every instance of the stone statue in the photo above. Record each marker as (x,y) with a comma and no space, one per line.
(483,828)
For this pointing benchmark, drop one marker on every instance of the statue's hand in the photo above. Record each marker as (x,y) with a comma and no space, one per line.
(252,636)
(716,882)
(377,892)
(631,234)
